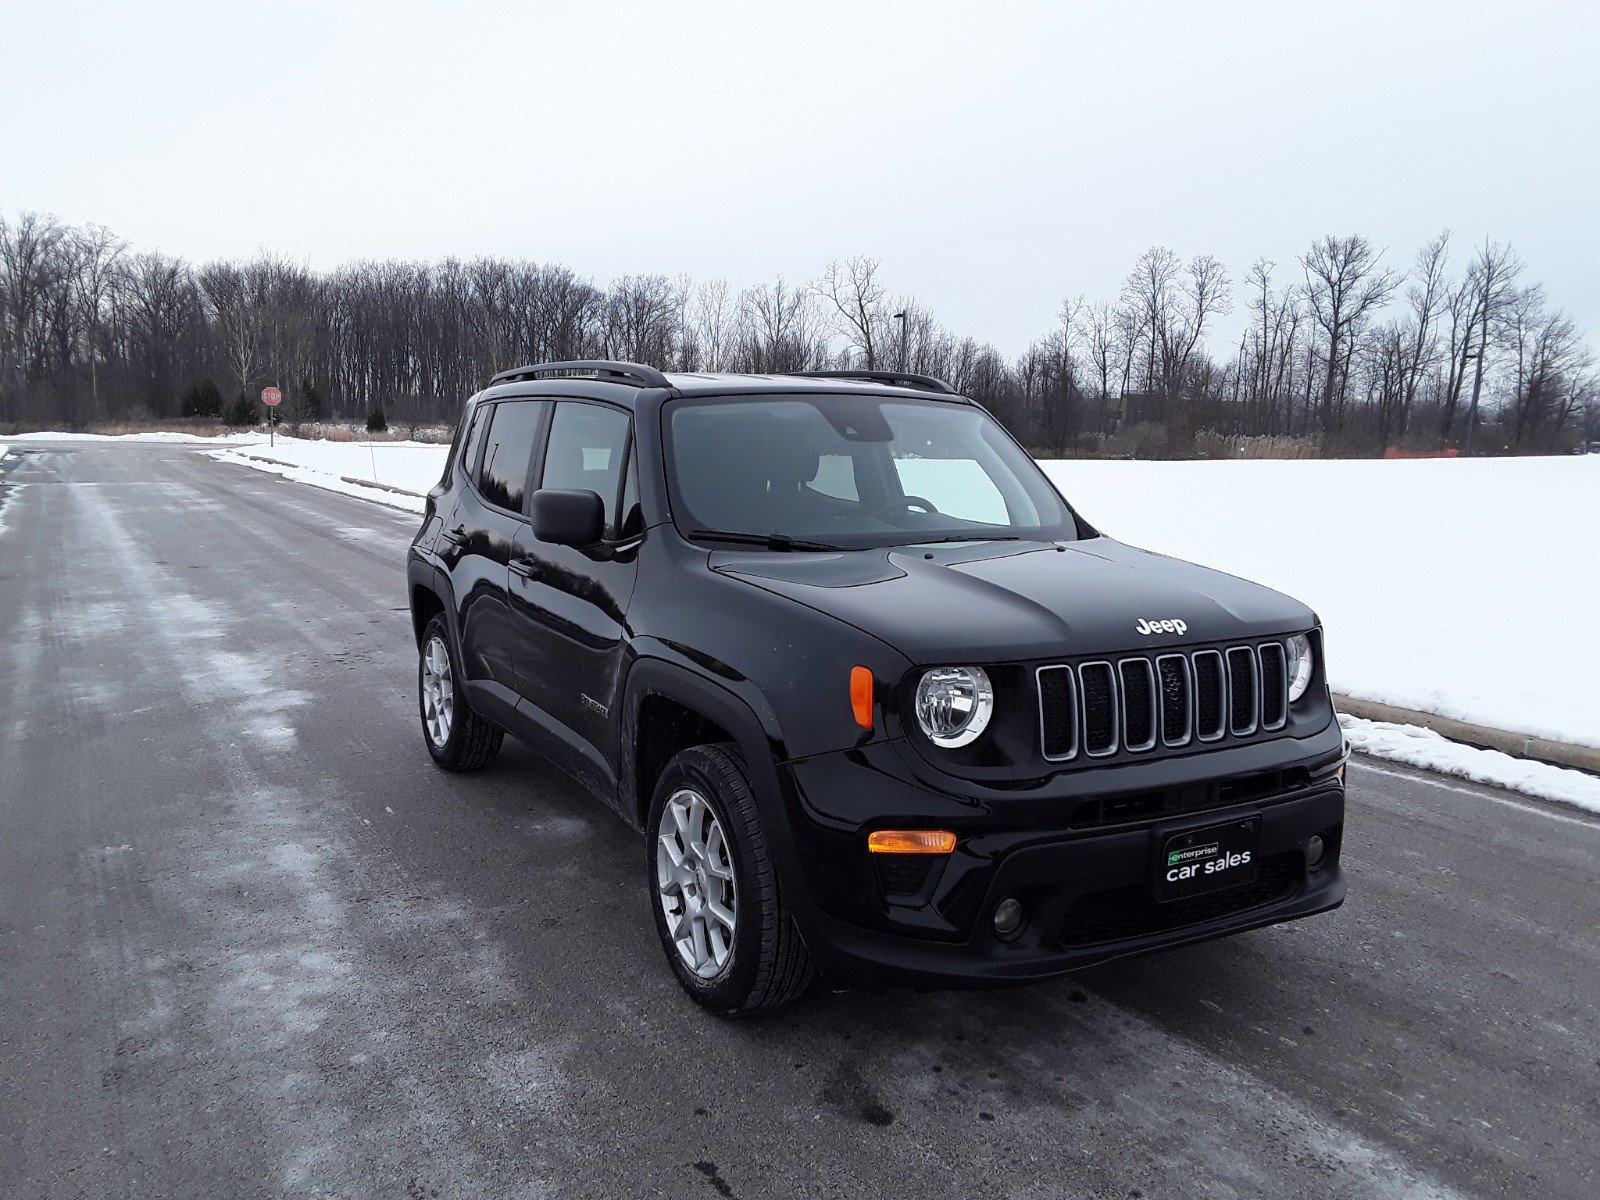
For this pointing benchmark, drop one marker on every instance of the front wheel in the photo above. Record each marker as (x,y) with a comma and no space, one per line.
(721,917)
(458,738)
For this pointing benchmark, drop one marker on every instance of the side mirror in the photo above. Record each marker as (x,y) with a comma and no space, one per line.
(568,517)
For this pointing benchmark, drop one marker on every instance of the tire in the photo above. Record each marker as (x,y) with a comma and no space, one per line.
(765,965)
(457,738)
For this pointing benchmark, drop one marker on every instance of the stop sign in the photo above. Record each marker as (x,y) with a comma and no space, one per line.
(271,396)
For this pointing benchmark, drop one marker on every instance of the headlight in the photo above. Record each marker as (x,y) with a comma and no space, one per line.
(954,705)
(1299,665)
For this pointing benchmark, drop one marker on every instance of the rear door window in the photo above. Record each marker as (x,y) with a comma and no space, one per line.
(508,453)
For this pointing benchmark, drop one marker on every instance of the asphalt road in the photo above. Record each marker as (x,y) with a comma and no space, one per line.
(253,944)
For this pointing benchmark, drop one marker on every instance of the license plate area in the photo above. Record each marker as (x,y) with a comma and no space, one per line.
(1208,859)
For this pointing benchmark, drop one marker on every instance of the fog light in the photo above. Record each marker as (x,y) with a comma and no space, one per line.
(1314,850)
(1008,916)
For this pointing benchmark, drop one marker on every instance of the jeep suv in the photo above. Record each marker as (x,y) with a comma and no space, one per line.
(886,708)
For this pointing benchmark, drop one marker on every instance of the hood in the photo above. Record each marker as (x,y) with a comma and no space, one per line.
(1006,601)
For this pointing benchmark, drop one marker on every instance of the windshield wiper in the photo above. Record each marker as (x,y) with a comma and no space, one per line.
(772,541)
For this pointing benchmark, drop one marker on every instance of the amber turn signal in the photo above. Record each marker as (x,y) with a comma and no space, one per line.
(861,695)
(911,841)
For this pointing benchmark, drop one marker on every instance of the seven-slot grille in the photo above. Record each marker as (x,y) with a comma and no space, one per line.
(1138,703)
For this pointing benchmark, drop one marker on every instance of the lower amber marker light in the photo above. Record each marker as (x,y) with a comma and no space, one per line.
(911,841)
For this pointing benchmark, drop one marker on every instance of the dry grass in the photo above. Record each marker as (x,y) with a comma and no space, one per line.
(1217,445)
(190,428)
(355,433)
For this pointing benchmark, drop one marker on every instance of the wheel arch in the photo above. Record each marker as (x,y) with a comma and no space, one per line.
(668,708)
(429,596)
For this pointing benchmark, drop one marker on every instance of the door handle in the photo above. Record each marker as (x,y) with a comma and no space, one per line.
(457,536)
(527,568)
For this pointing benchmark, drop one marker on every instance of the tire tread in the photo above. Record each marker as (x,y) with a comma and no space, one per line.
(474,742)
(783,965)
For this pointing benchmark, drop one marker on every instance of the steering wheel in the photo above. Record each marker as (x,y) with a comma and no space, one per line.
(906,503)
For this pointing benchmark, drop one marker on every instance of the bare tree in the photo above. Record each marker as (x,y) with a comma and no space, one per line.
(1426,296)
(1173,306)
(1494,270)
(1103,342)
(641,320)
(779,329)
(711,317)
(161,305)
(857,300)
(100,259)
(1345,286)
(1554,372)
(236,304)
(27,248)
(1271,348)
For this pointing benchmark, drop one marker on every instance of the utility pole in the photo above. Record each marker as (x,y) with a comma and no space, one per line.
(901,317)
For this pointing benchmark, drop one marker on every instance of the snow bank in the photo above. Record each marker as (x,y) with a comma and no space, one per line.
(414,466)
(333,465)
(1418,747)
(152,436)
(1459,587)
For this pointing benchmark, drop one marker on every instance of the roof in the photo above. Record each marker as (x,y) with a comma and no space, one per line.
(708,383)
(625,383)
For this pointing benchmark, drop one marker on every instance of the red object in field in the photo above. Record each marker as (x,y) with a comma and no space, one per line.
(1391,452)
(270,396)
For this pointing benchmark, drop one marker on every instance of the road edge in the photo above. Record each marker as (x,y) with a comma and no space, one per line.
(306,475)
(1518,745)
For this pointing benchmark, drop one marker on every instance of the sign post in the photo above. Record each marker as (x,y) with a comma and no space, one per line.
(271,397)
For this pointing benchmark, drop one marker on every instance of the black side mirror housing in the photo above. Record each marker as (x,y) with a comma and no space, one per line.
(568,517)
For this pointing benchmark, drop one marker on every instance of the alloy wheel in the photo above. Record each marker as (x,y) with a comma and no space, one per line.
(694,876)
(438,692)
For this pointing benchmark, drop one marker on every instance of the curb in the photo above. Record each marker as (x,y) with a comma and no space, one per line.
(371,483)
(327,487)
(1518,745)
(388,487)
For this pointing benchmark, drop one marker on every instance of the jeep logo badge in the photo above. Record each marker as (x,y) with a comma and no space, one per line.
(1148,627)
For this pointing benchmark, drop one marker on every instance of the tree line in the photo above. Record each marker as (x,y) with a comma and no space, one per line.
(1341,351)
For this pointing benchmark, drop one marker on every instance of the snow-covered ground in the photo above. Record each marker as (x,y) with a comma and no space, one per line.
(1418,747)
(412,466)
(1464,588)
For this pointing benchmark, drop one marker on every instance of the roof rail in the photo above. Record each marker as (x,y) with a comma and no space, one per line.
(893,378)
(611,371)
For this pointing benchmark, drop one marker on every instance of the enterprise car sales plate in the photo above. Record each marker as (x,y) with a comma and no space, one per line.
(1208,860)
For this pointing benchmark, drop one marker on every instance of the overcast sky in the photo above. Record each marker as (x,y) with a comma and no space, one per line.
(995,156)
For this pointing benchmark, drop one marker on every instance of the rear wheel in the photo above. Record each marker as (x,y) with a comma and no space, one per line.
(718,909)
(458,738)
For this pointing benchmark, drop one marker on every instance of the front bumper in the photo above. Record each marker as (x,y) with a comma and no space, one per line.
(1079,851)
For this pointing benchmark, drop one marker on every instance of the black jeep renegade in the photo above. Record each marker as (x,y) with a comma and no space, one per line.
(886,708)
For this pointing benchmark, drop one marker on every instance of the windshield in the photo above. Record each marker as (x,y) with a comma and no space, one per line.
(830,471)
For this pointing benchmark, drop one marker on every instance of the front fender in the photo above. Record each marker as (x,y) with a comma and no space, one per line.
(740,709)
